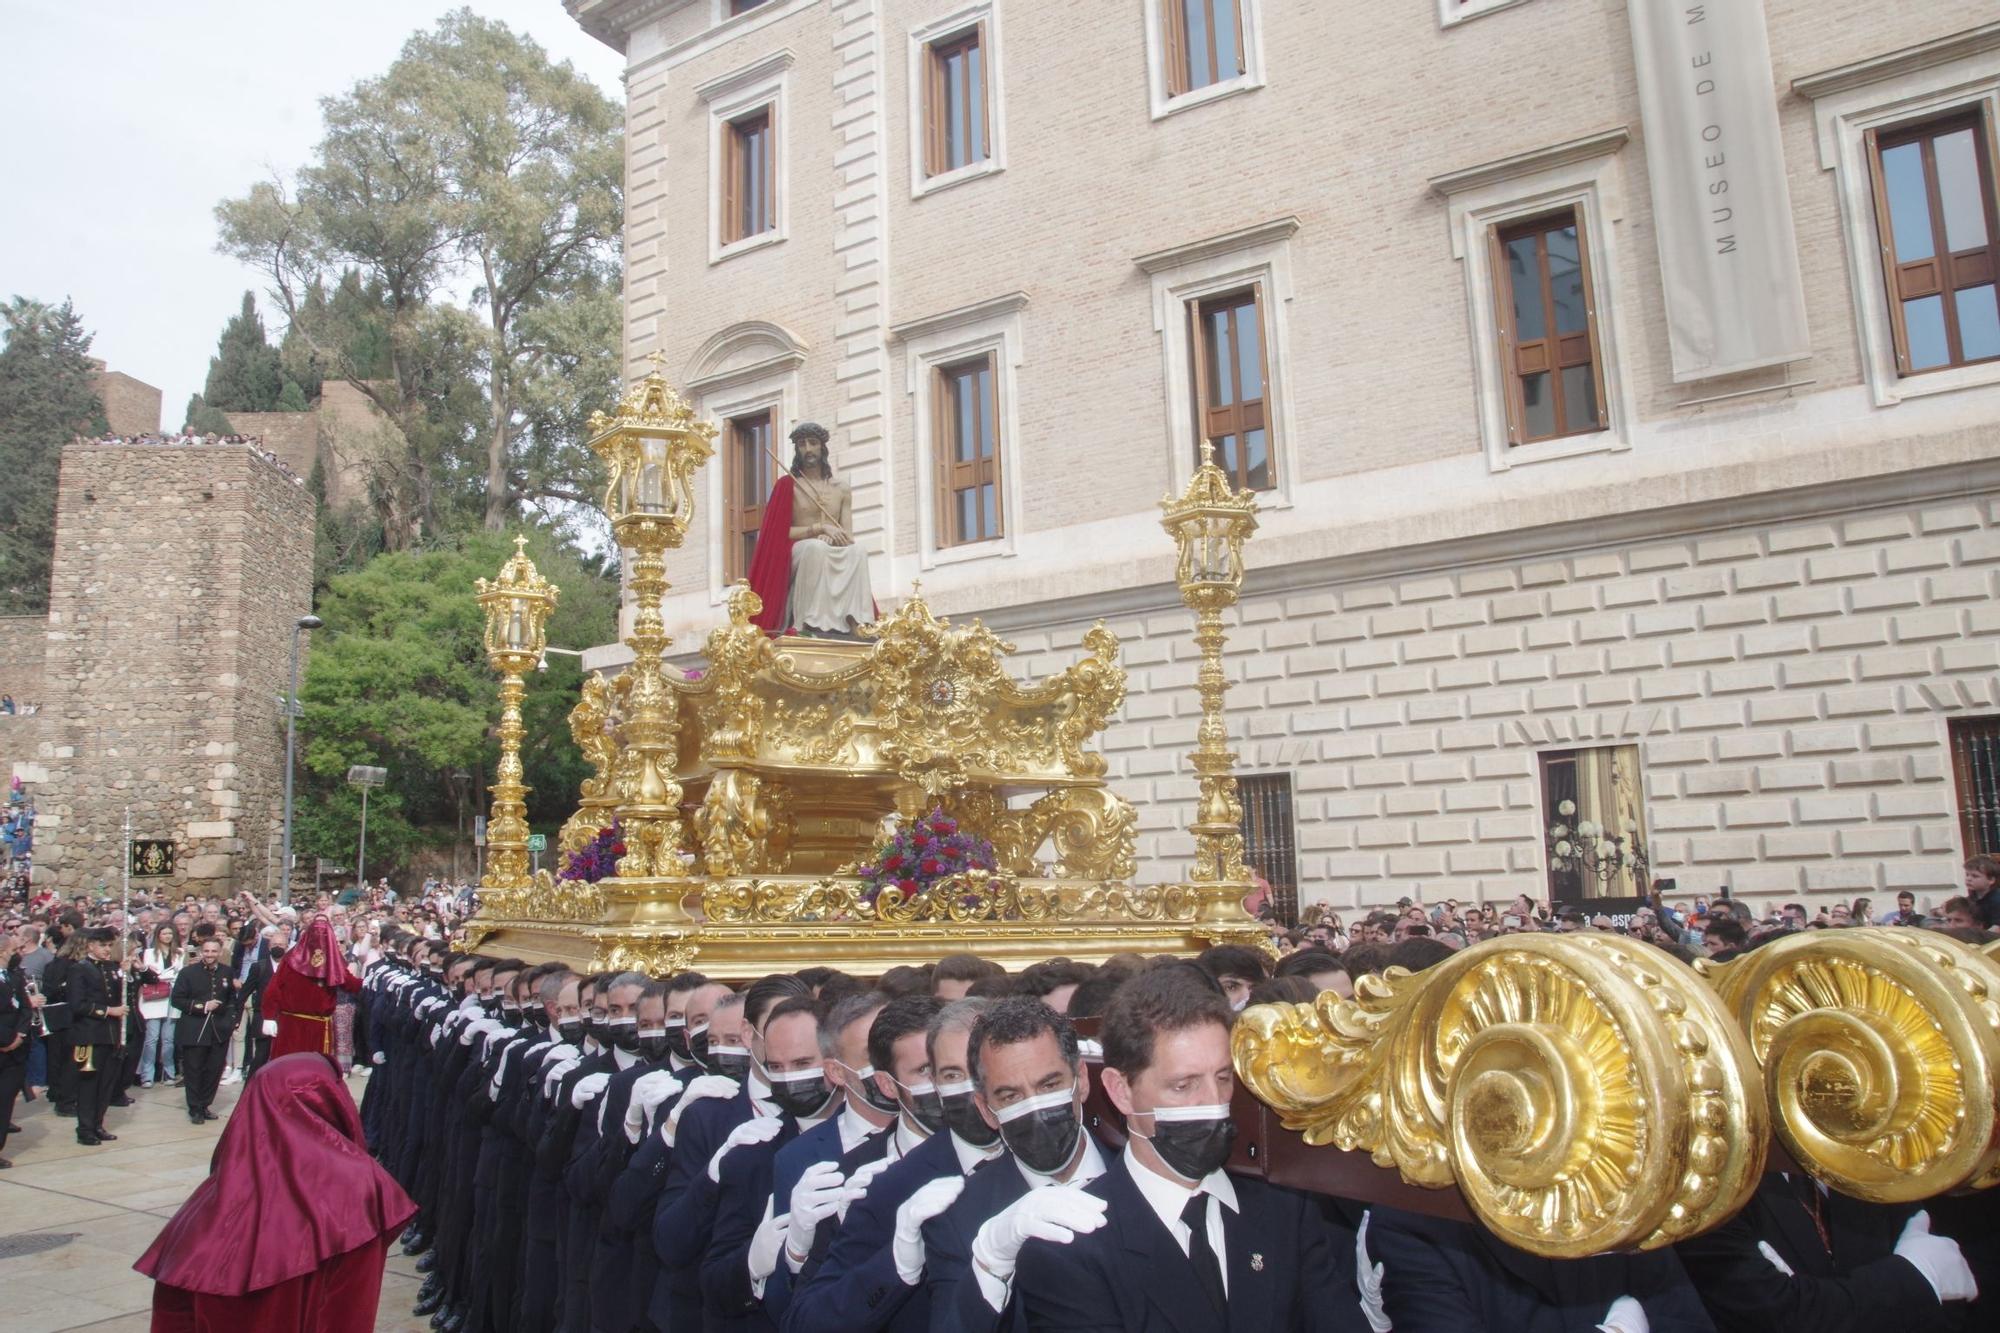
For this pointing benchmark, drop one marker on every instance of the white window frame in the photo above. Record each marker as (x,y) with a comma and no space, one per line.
(1185,275)
(1451,13)
(779,390)
(1163,104)
(985,16)
(730,97)
(1582,174)
(929,344)
(1958,73)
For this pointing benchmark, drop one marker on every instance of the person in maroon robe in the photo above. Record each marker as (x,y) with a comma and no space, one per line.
(300,996)
(292,1227)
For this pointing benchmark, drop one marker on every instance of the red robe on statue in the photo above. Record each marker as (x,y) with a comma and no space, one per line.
(290,1231)
(300,996)
(771,562)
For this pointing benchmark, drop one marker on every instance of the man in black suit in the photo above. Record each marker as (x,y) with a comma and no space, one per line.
(89,987)
(204,993)
(1799,1257)
(1185,1246)
(15,1033)
(250,996)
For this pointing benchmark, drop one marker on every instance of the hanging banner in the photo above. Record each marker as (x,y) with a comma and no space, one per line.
(1729,258)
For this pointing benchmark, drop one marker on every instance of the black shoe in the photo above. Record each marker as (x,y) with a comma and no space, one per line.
(106,1136)
(418,1244)
(454,1321)
(409,1234)
(428,1263)
(13,1129)
(89,1140)
(207,1114)
(430,1298)
(194,1118)
(123,1101)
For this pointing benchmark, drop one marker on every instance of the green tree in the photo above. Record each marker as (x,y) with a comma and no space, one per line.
(399,678)
(475,163)
(203,419)
(293,398)
(46,400)
(244,374)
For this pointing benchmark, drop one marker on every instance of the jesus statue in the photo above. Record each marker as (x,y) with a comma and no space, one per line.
(806,569)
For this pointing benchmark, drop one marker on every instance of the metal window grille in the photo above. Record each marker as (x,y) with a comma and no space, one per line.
(1975,767)
(1270,846)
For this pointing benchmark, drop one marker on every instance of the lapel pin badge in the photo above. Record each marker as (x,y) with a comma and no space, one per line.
(1256,1263)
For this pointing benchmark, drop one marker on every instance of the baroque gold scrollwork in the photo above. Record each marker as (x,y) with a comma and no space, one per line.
(1880,1049)
(744,824)
(1585,1093)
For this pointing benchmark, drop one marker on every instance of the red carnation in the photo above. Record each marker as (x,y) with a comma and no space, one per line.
(893,863)
(618,849)
(947,826)
(930,865)
(908,886)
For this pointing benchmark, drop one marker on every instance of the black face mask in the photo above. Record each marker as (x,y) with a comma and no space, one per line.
(510,1013)
(699,1053)
(924,1106)
(870,1093)
(1042,1131)
(592,1026)
(536,1017)
(1192,1140)
(729,1061)
(570,1030)
(677,1039)
(491,1004)
(622,1033)
(653,1045)
(961,1115)
(801,1095)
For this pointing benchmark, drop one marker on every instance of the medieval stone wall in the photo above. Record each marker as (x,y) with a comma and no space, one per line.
(131,406)
(178,575)
(21,642)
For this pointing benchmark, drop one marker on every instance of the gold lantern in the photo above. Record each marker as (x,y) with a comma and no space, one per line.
(517,606)
(1210,523)
(651,447)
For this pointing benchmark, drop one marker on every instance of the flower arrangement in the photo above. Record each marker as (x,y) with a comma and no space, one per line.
(598,860)
(921,853)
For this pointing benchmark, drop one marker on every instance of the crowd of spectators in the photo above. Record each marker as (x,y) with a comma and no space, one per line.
(188,438)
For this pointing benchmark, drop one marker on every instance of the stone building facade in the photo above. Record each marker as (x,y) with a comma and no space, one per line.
(131,406)
(341,434)
(178,575)
(1757,605)
(22,639)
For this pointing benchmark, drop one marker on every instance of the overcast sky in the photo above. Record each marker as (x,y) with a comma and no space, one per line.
(127,121)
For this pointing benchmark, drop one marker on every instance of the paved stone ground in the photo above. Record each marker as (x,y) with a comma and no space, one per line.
(87,1213)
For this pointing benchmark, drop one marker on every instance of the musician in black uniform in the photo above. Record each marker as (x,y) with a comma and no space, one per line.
(96,1023)
(17,1019)
(205,994)
(66,939)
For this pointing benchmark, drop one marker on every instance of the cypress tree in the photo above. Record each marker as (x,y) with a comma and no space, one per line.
(46,400)
(244,374)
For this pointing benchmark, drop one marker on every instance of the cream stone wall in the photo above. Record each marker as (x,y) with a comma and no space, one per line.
(1534,598)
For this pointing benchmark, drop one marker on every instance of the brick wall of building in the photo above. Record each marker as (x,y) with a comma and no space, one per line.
(178,573)
(131,406)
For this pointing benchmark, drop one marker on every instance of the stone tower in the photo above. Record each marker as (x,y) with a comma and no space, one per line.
(178,575)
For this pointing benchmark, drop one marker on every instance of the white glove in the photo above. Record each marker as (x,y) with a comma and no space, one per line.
(587,1089)
(858,1183)
(918,1209)
(764,1247)
(647,1094)
(814,1199)
(1777,1260)
(708,1085)
(760,1130)
(1368,1276)
(473,1029)
(562,1051)
(269,1027)
(1625,1316)
(1053,1213)
(554,1073)
(1938,1259)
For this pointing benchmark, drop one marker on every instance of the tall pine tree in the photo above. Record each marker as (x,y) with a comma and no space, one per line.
(46,400)
(244,374)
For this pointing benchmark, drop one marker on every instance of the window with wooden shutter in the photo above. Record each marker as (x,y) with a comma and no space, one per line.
(1204,43)
(748,475)
(957,125)
(1548,329)
(967,443)
(1227,343)
(749,177)
(1936,219)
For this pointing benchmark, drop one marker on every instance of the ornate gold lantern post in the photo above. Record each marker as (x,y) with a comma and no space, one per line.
(651,447)
(1210,523)
(517,608)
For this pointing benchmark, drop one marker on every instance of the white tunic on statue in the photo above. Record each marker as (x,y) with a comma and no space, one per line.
(830,589)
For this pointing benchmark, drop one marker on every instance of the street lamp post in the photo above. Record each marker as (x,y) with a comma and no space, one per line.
(1209,522)
(517,606)
(364,776)
(303,624)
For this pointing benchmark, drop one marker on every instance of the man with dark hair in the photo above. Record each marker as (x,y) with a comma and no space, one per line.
(1090,997)
(1236,969)
(1054,982)
(955,973)
(1982,886)
(93,990)
(1417,953)
(1185,1245)
(1319,966)
(1725,938)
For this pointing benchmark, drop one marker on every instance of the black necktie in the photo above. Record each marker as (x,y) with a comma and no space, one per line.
(1207,1267)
